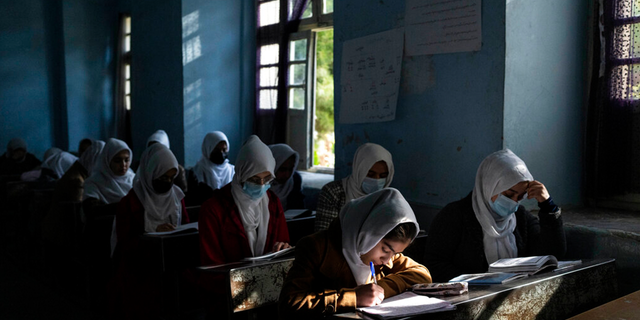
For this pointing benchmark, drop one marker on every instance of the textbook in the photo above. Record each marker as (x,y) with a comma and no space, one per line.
(272,255)
(441,289)
(184,228)
(403,305)
(529,265)
(488,278)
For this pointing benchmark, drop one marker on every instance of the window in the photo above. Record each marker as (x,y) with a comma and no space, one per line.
(123,81)
(624,52)
(126,62)
(308,89)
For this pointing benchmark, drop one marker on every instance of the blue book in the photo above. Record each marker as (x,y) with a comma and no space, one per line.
(488,278)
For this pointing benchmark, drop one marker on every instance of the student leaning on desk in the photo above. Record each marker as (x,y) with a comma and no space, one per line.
(489,224)
(331,271)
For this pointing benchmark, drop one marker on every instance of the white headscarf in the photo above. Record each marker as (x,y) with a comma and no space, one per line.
(365,157)
(159,209)
(214,175)
(58,161)
(366,221)
(159,136)
(497,173)
(282,152)
(103,184)
(90,155)
(254,158)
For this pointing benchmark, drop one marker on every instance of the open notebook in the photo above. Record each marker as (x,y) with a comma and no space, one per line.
(403,305)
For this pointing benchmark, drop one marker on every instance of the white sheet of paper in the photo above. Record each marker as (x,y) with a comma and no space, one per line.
(437,26)
(370,77)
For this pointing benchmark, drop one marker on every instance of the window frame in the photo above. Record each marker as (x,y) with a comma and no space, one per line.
(612,62)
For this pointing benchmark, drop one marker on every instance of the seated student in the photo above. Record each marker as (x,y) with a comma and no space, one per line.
(57,226)
(84,145)
(161,137)
(331,272)
(287,184)
(153,204)
(110,180)
(17,160)
(244,218)
(489,224)
(56,162)
(213,170)
(372,171)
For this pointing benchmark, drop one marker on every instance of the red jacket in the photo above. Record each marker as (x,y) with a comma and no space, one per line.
(222,235)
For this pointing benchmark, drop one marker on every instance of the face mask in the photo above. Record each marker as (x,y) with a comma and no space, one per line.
(370,185)
(218,157)
(161,186)
(504,206)
(255,191)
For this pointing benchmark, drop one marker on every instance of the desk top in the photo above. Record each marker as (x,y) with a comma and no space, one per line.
(550,295)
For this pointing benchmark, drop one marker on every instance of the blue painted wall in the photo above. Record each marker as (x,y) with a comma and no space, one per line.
(90,41)
(56,74)
(25,106)
(450,108)
(544,91)
(156,71)
(219,57)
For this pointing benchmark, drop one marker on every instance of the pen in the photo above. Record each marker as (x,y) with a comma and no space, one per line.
(373,272)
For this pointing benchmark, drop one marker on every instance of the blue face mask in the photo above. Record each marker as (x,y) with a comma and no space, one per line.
(504,206)
(370,185)
(255,191)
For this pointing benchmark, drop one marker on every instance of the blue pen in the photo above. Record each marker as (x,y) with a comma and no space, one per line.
(373,272)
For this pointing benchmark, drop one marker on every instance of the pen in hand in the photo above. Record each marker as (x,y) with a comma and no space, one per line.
(373,272)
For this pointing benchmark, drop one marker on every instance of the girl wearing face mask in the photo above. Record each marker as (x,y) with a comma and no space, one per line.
(490,224)
(372,171)
(213,170)
(154,204)
(287,183)
(244,218)
(331,272)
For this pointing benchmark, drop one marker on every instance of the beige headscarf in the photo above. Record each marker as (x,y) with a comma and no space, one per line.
(366,221)
(282,152)
(254,158)
(497,173)
(365,157)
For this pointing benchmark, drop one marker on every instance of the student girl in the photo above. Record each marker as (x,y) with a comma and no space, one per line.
(287,184)
(110,180)
(372,171)
(16,160)
(153,204)
(58,224)
(213,170)
(161,137)
(331,272)
(244,218)
(58,162)
(490,224)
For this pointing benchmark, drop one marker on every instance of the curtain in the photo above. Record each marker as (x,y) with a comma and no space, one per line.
(613,118)
(271,125)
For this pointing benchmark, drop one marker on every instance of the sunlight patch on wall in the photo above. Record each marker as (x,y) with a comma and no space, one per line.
(190,23)
(193,91)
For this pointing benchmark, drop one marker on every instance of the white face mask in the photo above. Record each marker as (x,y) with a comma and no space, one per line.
(370,185)
(504,206)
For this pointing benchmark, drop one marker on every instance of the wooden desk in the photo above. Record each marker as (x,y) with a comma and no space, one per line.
(627,307)
(299,228)
(252,284)
(552,295)
(172,252)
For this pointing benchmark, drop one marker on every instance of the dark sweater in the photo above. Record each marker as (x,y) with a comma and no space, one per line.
(455,241)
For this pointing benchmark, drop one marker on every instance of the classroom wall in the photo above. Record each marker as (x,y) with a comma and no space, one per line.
(218,47)
(90,41)
(156,71)
(55,74)
(544,106)
(450,109)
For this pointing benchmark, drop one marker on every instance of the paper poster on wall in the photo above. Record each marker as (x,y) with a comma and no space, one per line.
(370,77)
(443,26)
